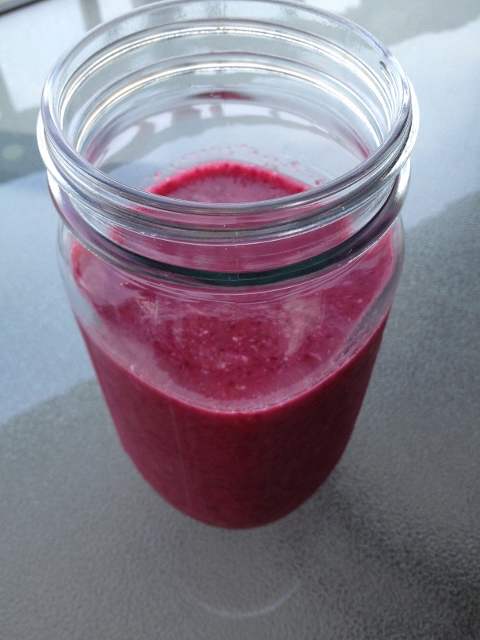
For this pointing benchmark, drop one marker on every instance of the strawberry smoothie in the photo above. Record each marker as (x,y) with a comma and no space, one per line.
(234,406)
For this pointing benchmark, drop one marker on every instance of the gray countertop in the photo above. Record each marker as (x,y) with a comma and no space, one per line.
(390,546)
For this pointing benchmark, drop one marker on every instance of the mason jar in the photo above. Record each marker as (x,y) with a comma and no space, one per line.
(229,177)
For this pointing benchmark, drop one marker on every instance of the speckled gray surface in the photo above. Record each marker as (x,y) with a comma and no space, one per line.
(389,548)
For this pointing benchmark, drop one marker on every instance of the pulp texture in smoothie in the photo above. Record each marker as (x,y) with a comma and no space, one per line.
(234,411)
(227,182)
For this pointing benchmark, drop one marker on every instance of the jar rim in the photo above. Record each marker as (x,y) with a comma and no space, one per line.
(380,165)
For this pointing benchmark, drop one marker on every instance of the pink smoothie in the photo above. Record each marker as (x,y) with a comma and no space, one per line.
(234,412)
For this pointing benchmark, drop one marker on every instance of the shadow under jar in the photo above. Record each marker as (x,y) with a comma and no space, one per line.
(229,177)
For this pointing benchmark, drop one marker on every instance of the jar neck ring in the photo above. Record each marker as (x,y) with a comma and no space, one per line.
(344,252)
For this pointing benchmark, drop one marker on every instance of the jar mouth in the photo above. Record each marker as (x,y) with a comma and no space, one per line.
(183,78)
(383,162)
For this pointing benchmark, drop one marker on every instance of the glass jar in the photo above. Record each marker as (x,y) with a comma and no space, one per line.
(229,177)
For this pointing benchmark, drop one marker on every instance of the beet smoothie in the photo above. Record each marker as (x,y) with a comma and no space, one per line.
(237,410)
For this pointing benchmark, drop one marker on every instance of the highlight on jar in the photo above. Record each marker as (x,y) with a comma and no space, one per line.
(229,178)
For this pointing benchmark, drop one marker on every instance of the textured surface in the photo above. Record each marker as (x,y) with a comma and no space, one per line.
(387,549)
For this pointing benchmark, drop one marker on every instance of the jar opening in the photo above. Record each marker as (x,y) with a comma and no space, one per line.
(268,83)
